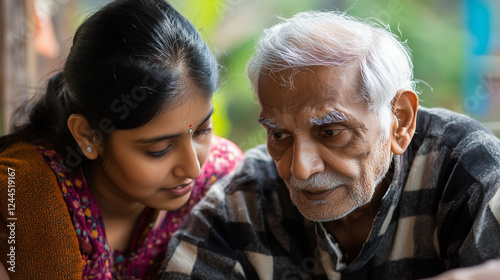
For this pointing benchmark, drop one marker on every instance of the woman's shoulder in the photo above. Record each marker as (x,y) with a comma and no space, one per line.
(34,165)
(41,217)
(25,159)
(223,157)
(224,148)
(27,175)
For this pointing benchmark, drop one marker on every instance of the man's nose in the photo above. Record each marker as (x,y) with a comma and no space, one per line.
(306,159)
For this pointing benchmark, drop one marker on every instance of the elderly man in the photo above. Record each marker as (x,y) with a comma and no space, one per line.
(354,183)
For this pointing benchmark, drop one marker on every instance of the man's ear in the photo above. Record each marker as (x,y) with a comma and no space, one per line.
(404,117)
(84,135)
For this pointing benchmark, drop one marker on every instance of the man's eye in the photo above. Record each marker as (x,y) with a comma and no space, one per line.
(278,136)
(331,132)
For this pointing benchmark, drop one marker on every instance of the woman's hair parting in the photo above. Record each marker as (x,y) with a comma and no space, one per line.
(334,39)
(128,62)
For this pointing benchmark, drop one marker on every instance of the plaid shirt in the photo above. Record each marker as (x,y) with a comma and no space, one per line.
(441,211)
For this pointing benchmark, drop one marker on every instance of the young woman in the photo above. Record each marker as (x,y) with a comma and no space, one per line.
(116,153)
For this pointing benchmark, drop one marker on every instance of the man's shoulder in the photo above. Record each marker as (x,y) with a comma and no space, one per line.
(440,119)
(259,154)
(254,177)
(257,168)
(452,147)
(452,129)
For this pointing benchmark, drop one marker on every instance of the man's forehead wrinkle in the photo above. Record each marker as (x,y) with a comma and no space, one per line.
(283,105)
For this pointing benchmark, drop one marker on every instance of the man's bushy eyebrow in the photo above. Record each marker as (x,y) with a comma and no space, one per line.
(268,123)
(333,117)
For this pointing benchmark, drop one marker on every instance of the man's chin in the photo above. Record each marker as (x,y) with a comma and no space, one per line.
(318,214)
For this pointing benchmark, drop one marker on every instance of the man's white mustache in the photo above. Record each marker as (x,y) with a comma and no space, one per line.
(324,180)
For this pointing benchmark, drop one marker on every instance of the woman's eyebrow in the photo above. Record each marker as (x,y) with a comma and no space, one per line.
(157,138)
(169,136)
(208,116)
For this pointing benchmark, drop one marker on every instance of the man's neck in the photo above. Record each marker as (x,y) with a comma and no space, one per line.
(353,230)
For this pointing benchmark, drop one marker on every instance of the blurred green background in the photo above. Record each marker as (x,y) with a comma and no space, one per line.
(455,45)
(437,32)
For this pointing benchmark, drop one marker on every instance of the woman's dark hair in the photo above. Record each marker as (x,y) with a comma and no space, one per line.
(129,61)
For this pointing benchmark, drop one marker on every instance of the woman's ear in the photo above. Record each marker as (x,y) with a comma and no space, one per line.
(84,135)
(404,113)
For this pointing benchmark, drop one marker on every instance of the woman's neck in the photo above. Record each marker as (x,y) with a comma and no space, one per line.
(120,214)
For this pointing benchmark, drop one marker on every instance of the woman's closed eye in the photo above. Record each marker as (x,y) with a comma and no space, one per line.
(158,154)
(201,132)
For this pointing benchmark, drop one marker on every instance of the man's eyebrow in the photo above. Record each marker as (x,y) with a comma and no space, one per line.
(268,123)
(333,117)
(165,137)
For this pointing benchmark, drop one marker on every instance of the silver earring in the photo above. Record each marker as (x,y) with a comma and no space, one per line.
(89,149)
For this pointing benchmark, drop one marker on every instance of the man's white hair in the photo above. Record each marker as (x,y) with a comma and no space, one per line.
(335,39)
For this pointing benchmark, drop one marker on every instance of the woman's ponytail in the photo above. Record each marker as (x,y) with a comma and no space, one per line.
(47,118)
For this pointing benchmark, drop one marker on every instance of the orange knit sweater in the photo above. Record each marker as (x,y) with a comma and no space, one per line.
(35,217)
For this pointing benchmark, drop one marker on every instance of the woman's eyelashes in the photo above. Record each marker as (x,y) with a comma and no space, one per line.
(203,131)
(197,133)
(159,154)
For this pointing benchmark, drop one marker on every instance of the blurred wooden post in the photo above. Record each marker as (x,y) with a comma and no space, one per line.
(13,56)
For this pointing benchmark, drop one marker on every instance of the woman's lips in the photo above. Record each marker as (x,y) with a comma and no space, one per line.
(317,194)
(180,190)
